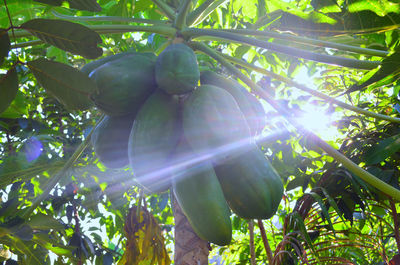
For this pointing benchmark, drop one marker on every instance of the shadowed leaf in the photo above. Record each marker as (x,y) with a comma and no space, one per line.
(8,88)
(4,45)
(382,150)
(66,35)
(67,84)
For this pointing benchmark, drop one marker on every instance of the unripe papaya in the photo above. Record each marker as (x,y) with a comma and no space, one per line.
(248,103)
(200,196)
(124,84)
(177,71)
(214,125)
(89,67)
(154,137)
(252,187)
(110,140)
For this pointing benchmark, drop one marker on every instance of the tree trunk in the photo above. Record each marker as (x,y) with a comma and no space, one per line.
(189,248)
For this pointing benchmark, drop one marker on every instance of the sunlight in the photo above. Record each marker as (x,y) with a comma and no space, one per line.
(316,120)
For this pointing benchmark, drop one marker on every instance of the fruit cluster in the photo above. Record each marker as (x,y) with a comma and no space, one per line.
(197,139)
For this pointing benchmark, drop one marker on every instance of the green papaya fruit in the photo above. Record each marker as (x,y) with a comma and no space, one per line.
(248,103)
(124,84)
(200,197)
(252,187)
(89,67)
(154,136)
(214,125)
(177,71)
(110,140)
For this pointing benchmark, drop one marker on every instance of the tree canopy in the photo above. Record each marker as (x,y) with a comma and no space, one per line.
(326,73)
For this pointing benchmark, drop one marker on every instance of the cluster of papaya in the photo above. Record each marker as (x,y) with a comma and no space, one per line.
(197,139)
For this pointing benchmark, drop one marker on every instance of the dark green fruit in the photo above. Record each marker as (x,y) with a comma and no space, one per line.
(89,67)
(154,137)
(214,125)
(110,140)
(177,71)
(124,84)
(248,103)
(200,196)
(252,187)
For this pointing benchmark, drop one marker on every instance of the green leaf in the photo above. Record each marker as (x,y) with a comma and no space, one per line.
(249,7)
(68,85)
(89,5)
(387,73)
(381,8)
(382,150)
(8,88)
(4,45)
(45,222)
(66,35)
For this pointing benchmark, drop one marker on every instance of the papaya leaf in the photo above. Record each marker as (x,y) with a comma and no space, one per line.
(89,5)
(382,150)
(68,85)
(8,88)
(68,36)
(5,45)
(389,72)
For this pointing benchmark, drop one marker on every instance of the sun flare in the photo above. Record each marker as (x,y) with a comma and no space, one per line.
(315,119)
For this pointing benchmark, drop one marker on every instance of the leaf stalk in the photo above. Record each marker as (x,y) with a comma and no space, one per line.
(299,53)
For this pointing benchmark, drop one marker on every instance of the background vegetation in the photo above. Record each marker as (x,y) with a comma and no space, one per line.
(59,205)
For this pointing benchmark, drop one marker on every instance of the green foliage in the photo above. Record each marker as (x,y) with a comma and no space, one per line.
(328,215)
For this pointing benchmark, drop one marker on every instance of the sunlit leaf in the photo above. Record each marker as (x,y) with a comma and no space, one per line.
(387,73)
(381,8)
(66,35)
(8,88)
(89,5)
(68,85)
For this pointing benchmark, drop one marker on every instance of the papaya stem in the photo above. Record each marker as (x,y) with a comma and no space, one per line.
(309,90)
(165,8)
(299,53)
(203,11)
(52,182)
(180,20)
(109,18)
(313,42)
(347,163)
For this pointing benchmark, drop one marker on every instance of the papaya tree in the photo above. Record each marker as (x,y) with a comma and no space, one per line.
(196,132)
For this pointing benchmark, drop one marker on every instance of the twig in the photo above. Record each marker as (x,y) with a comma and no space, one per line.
(251,243)
(265,241)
